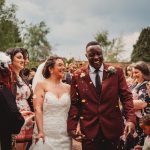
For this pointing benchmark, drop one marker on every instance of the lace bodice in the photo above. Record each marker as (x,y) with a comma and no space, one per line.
(55,113)
(54,106)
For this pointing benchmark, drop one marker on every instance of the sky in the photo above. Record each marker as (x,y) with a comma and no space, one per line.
(73,23)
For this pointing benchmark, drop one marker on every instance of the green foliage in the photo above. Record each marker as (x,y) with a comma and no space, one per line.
(33,64)
(141,50)
(111,48)
(71,60)
(102,38)
(2,2)
(9,30)
(36,42)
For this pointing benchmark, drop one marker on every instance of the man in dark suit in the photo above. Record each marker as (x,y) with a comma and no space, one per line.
(95,93)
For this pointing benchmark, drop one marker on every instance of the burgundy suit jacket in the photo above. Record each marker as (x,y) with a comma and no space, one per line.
(102,112)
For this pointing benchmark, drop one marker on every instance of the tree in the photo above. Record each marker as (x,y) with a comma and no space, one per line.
(9,29)
(2,2)
(36,42)
(141,50)
(111,48)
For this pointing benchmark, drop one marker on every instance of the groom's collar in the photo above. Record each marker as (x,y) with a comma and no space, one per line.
(92,69)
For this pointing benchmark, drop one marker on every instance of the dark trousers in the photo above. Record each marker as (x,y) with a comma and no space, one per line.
(5,140)
(101,143)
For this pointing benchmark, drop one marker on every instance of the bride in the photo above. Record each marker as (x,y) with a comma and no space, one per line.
(51,103)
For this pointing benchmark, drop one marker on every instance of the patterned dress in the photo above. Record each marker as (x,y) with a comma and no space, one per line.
(140,92)
(23,93)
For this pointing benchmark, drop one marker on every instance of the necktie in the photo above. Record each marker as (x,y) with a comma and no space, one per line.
(97,81)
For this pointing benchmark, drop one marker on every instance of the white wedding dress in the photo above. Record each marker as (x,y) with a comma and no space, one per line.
(55,113)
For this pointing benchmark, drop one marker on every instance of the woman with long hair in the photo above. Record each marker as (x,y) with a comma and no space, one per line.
(23,95)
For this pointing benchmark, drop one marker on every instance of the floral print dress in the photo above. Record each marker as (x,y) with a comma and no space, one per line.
(139,91)
(23,93)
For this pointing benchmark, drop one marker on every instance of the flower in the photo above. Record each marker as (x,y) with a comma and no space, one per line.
(82,75)
(83,101)
(111,70)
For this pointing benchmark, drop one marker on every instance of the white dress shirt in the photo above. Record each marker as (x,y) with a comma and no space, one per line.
(93,74)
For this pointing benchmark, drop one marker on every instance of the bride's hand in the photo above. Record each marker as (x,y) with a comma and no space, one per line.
(40,136)
(80,136)
(78,130)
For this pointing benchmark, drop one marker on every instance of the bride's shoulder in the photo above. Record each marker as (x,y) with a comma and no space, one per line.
(41,83)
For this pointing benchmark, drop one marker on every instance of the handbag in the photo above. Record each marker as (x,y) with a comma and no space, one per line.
(26,132)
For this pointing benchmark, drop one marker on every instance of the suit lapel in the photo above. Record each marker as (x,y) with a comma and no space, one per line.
(105,74)
(89,81)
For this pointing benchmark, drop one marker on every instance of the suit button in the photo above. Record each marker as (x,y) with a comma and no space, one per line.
(74,116)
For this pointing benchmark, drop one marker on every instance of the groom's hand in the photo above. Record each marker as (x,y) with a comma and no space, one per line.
(73,134)
(78,136)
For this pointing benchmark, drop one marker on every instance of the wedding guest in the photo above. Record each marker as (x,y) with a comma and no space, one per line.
(22,93)
(145,125)
(31,75)
(12,120)
(24,73)
(148,88)
(25,56)
(67,76)
(141,99)
(129,75)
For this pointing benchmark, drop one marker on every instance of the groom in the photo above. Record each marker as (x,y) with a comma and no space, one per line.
(95,93)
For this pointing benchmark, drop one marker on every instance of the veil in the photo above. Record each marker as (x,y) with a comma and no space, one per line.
(38,75)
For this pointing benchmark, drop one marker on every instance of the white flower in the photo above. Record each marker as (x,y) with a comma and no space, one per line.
(82,75)
(111,70)
(4,60)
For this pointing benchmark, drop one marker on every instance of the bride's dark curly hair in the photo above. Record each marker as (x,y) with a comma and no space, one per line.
(50,63)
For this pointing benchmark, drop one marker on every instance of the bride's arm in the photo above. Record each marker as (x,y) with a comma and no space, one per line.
(38,107)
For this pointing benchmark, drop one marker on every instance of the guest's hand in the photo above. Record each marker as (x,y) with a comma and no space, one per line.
(28,116)
(26,113)
(40,135)
(129,128)
(138,147)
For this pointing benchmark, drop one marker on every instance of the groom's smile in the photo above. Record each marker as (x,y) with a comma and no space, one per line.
(94,56)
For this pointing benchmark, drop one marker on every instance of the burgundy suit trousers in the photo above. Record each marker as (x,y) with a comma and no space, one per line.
(101,143)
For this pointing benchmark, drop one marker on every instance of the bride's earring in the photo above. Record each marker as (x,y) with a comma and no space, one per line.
(51,71)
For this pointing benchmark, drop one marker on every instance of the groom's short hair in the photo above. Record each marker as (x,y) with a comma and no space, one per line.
(92,43)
